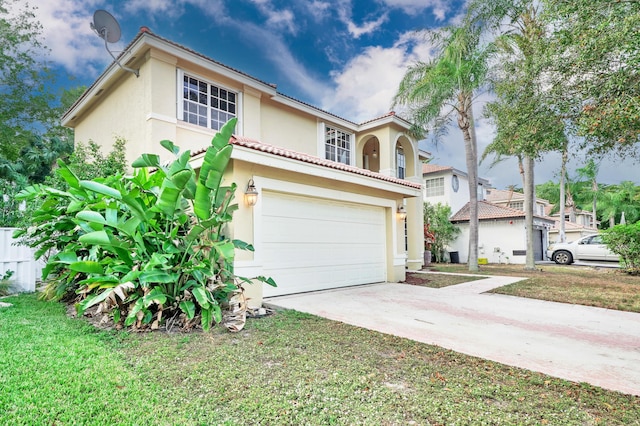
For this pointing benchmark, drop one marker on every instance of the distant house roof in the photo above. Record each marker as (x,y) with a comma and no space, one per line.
(489,211)
(499,195)
(428,168)
(306,158)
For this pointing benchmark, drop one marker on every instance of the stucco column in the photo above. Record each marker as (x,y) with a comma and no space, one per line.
(415,235)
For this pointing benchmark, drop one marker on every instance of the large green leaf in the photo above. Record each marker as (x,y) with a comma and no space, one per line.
(189,308)
(157,276)
(91,216)
(200,293)
(98,238)
(101,188)
(226,249)
(93,300)
(224,134)
(168,199)
(202,202)
(181,178)
(218,165)
(87,266)
(67,174)
(206,318)
(146,160)
(170,146)
(155,296)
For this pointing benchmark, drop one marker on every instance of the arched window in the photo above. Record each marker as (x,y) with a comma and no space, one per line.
(400,162)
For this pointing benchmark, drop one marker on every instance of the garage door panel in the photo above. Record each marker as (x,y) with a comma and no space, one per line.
(314,244)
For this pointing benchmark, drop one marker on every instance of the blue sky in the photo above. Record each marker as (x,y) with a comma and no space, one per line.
(344,56)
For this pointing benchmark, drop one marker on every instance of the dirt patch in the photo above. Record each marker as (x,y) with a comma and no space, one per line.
(436,280)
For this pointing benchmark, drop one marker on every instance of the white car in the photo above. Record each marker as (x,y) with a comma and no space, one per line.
(585,248)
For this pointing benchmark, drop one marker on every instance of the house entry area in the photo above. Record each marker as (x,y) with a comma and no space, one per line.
(310,243)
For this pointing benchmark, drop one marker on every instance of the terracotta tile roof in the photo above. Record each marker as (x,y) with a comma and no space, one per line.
(433,168)
(488,211)
(311,159)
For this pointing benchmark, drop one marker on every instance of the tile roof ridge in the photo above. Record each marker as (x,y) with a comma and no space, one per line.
(312,159)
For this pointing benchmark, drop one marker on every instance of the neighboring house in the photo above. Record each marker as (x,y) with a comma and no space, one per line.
(572,231)
(577,223)
(515,200)
(446,185)
(501,234)
(329,189)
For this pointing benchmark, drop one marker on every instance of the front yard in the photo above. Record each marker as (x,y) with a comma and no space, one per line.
(288,368)
(582,285)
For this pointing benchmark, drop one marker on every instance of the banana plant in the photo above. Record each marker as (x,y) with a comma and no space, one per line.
(151,246)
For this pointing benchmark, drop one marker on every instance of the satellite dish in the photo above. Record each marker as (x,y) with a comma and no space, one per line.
(106,26)
(108,29)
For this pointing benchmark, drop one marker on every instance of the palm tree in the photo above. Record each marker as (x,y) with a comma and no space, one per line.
(442,89)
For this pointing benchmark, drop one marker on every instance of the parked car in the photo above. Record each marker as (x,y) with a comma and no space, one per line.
(585,248)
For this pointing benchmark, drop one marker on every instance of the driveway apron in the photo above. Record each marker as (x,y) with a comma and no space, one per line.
(573,342)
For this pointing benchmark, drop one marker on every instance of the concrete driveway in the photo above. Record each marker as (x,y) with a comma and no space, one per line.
(577,343)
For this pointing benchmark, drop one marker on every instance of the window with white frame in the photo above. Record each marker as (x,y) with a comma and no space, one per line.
(337,145)
(518,205)
(206,104)
(400,163)
(434,187)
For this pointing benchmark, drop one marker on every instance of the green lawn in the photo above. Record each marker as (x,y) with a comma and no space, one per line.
(288,368)
(590,286)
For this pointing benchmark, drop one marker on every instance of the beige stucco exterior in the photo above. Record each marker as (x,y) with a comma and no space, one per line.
(145,110)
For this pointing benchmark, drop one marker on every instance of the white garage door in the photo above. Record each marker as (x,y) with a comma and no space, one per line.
(314,244)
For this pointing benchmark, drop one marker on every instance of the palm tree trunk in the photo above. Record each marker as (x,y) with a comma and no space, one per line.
(562,237)
(465,122)
(529,197)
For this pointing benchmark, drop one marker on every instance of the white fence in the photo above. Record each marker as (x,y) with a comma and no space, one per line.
(20,260)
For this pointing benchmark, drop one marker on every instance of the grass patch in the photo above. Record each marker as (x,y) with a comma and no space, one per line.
(289,368)
(436,280)
(591,286)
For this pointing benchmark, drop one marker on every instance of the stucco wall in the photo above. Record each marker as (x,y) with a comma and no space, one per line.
(496,241)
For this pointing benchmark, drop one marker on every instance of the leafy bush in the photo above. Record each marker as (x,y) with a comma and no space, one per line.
(147,248)
(5,283)
(624,240)
(442,231)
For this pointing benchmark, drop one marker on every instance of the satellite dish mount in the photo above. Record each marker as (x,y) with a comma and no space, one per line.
(108,29)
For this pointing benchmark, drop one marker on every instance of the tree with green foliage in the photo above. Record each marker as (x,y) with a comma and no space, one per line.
(436,216)
(624,240)
(593,62)
(25,80)
(526,126)
(443,89)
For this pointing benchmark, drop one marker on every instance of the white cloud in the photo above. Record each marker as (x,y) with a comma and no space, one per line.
(281,20)
(366,28)
(67,34)
(168,8)
(366,85)
(414,7)
(319,10)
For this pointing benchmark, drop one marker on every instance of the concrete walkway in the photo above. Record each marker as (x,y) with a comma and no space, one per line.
(573,342)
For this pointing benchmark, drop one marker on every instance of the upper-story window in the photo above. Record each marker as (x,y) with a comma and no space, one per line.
(400,163)
(205,104)
(434,187)
(337,145)
(518,205)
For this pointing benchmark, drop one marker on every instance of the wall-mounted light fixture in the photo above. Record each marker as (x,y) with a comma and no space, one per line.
(374,154)
(402,213)
(251,194)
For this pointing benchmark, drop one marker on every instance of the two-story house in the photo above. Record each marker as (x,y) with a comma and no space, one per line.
(339,203)
(450,186)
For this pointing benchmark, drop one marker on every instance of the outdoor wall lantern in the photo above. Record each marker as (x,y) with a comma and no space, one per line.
(375,153)
(251,194)
(402,213)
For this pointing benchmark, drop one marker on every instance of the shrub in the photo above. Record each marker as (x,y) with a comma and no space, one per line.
(443,232)
(147,248)
(624,240)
